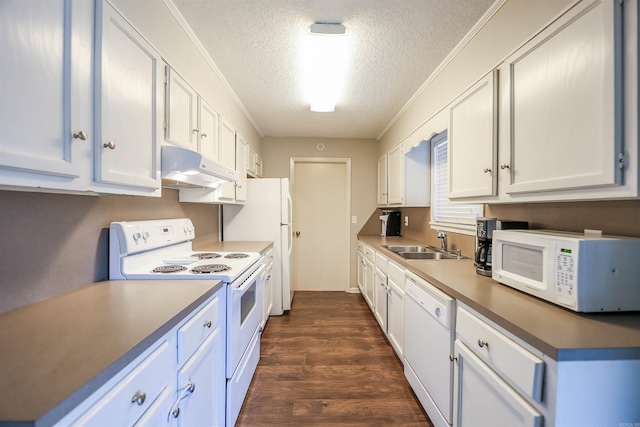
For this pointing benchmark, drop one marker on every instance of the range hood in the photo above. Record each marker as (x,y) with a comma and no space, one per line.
(184,168)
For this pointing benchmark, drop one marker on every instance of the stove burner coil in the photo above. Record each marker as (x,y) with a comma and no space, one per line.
(237,256)
(210,268)
(169,268)
(206,255)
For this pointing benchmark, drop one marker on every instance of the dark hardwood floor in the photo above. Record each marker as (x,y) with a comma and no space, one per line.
(327,363)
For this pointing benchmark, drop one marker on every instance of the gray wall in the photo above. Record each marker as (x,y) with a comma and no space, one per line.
(53,243)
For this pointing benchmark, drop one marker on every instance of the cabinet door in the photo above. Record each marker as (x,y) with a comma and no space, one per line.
(259,166)
(227,157)
(396,176)
(241,167)
(159,413)
(382,180)
(45,90)
(202,383)
(208,127)
(395,317)
(473,138)
(368,282)
(561,107)
(360,274)
(128,99)
(251,161)
(380,298)
(482,398)
(181,109)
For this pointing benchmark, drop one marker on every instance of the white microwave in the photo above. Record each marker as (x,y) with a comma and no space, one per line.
(585,273)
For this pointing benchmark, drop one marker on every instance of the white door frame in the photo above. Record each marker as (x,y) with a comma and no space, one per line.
(347,224)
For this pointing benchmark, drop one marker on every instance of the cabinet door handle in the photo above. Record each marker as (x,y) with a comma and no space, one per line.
(207,324)
(204,135)
(139,398)
(110,145)
(504,166)
(482,343)
(452,358)
(487,170)
(175,412)
(196,130)
(80,135)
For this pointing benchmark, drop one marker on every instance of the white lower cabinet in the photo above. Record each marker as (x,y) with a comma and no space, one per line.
(128,400)
(395,307)
(201,393)
(497,381)
(382,284)
(361,267)
(482,398)
(178,381)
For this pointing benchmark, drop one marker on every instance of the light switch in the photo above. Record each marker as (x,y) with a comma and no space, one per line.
(354,219)
(406,221)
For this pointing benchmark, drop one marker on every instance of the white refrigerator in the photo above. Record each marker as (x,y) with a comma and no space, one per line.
(266,216)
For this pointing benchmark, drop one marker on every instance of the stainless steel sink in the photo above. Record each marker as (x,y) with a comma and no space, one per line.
(410,248)
(426,255)
(421,252)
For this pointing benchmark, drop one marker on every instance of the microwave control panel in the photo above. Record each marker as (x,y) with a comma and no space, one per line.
(566,273)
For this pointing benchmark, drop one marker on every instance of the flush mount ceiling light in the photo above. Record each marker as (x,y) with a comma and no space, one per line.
(326,65)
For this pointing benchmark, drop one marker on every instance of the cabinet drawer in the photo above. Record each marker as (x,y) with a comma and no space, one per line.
(197,329)
(381,263)
(128,400)
(370,254)
(516,364)
(396,273)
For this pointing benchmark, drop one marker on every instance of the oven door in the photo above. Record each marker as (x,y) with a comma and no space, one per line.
(244,313)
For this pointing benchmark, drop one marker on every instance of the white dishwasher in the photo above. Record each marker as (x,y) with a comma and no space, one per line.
(429,336)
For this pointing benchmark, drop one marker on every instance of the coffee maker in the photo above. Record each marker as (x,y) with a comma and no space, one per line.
(484,234)
(390,223)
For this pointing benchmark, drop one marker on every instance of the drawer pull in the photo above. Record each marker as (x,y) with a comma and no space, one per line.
(176,412)
(139,398)
(452,358)
(207,324)
(482,343)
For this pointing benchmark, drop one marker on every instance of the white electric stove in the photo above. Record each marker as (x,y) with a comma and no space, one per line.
(162,250)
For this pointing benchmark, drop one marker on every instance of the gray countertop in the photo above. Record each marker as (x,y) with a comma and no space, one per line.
(55,353)
(559,333)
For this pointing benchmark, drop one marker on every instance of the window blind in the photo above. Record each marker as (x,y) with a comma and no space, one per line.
(443,210)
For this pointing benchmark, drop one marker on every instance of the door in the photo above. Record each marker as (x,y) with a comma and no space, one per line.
(181,104)
(321,224)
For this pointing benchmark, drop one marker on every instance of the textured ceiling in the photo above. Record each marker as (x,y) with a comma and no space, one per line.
(395,45)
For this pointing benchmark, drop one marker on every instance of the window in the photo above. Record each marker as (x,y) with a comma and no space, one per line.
(444,214)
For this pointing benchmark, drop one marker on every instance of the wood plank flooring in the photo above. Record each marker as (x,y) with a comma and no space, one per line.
(327,363)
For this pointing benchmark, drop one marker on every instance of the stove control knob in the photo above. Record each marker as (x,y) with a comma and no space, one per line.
(137,236)
(145,236)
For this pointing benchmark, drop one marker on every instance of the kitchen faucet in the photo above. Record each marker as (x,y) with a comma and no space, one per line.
(443,241)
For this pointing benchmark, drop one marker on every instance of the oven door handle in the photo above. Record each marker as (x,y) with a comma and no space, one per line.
(249,280)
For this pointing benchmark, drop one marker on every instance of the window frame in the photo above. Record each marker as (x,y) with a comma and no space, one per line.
(440,172)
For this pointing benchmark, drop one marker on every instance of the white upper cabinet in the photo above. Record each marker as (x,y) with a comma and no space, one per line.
(241,167)
(128,104)
(561,111)
(473,138)
(382,180)
(395,171)
(181,110)
(190,121)
(207,130)
(227,156)
(403,174)
(45,82)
